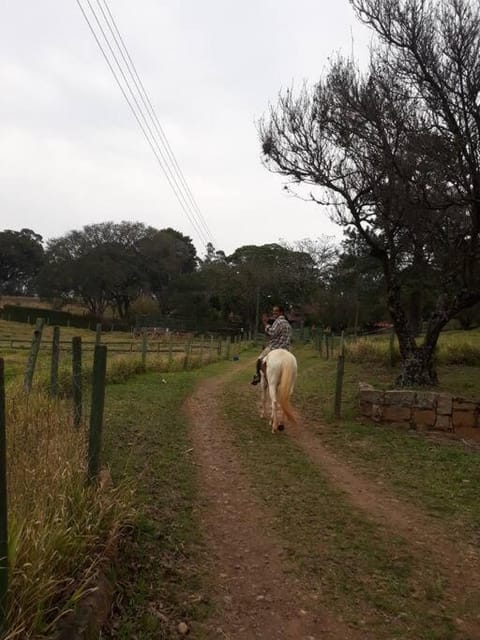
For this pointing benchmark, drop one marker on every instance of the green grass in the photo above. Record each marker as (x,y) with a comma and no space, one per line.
(367,574)
(162,355)
(162,569)
(441,477)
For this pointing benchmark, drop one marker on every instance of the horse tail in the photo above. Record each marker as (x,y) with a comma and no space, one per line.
(285,388)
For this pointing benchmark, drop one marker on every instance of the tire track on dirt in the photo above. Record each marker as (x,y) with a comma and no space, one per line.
(255,597)
(460,560)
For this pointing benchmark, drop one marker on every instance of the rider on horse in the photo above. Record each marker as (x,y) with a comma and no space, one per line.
(280,336)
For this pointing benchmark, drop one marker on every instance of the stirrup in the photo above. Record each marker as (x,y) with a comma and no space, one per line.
(256,379)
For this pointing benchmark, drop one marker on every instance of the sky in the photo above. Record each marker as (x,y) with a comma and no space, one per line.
(72,153)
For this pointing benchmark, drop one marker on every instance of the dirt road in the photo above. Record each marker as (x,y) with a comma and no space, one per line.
(256,595)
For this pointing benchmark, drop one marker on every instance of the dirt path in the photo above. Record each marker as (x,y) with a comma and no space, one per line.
(460,560)
(255,597)
(388,510)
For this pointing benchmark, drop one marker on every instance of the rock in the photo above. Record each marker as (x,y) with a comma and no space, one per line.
(105,479)
(183,628)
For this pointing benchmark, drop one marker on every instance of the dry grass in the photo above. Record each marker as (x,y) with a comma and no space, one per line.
(58,525)
(454,347)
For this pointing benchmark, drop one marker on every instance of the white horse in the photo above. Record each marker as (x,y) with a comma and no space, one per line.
(278,376)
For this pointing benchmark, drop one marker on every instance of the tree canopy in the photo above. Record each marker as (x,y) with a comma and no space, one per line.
(393,153)
(21,257)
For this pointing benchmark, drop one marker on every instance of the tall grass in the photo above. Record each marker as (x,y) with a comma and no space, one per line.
(456,348)
(58,525)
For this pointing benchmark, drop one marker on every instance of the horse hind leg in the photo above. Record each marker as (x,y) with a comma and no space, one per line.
(264,393)
(273,396)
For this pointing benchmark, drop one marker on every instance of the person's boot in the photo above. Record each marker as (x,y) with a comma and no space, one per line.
(257,377)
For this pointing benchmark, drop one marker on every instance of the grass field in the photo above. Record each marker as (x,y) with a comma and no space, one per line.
(372,578)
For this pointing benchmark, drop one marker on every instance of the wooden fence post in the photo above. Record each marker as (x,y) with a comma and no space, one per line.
(144,350)
(98,333)
(3,503)
(391,347)
(32,356)
(227,352)
(96,412)
(54,363)
(170,351)
(188,348)
(77,380)
(339,385)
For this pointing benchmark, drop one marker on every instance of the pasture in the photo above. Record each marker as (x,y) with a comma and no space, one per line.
(356,565)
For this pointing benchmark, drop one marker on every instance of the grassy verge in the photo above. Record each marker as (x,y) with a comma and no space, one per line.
(163,562)
(366,573)
(439,476)
(58,525)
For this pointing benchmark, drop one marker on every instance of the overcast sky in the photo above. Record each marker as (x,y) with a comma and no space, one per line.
(71,152)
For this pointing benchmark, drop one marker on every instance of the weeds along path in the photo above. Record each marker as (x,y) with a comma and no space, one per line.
(254,595)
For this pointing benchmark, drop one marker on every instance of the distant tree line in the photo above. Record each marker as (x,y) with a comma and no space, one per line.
(131,270)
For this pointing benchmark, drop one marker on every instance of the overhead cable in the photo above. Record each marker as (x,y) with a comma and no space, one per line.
(151,110)
(148,124)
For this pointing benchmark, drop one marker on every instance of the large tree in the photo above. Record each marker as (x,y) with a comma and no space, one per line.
(394,153)
(269,274)
(167,257)
(21,257)
(99,264)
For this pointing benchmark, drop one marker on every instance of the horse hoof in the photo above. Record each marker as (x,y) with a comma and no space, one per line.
(280,427)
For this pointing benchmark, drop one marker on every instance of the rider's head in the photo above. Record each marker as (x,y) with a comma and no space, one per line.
(278,310)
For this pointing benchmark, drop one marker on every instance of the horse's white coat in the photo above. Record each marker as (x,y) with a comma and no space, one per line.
(278,383)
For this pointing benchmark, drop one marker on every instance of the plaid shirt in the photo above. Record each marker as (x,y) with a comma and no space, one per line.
(280,334)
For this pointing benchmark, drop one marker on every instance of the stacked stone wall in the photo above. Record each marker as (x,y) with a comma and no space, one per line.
(421,410)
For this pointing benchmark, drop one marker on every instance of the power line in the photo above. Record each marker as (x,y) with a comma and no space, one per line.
(163,163)
(163,157)
(122,47)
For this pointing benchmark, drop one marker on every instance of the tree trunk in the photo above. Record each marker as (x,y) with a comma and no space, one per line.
(418,363)
(418,368)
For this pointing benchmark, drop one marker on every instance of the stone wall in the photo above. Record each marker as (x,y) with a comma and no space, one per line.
(421,410)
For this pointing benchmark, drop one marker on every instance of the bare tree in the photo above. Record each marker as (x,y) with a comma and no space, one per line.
(393,153)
